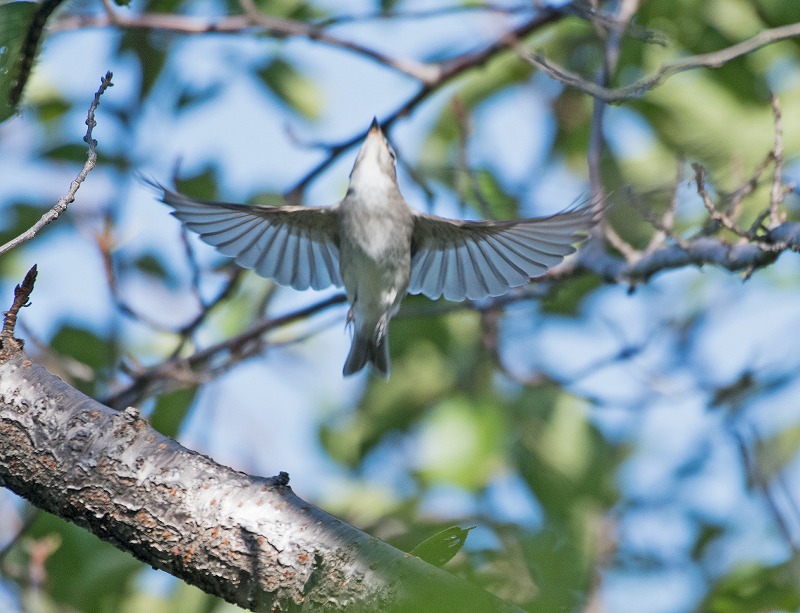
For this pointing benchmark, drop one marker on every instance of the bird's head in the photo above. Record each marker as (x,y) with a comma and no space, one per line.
(376,160)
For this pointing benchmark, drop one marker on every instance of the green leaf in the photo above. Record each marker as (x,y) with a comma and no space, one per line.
(85,573)
(752,588)
(561,454)
(299,10)
(149,50)
(15,20)
(420,375)
(18,218)
(558,561)
(707,535)
(87,349)
(490,193)
(298,92)
(442,546)
(268,198)
(170,411)
(566,298)
(462,442)
(194,96)
(150,264)
(83,345)
(774,453)
(778,12)
(203,185)
(183,598)
(68,153)
(53,108)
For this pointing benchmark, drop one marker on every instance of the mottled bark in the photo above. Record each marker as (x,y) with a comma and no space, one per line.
(741,256)
(247,539)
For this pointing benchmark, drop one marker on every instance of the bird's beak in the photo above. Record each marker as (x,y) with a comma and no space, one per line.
(375,126)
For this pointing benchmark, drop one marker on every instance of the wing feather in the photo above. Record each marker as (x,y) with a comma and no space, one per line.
(264,265)
(489,277)
(294,245)
(478,259)
(251,254)
(287,267)
(533,262)
(513,274)
(323,265)
(319,278)
(235,240)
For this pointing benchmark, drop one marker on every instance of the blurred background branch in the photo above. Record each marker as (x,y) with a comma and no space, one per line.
(621,433)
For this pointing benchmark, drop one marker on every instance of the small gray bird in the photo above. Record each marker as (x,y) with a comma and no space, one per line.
(380,249)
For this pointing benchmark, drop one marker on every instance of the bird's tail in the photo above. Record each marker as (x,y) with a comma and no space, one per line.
(372,349)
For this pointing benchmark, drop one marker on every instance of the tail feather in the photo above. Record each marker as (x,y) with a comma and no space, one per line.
(365,351)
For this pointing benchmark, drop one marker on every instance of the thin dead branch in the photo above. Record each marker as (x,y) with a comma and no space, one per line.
(69,198)
(714,59)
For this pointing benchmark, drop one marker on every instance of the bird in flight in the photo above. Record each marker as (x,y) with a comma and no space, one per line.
(380,249)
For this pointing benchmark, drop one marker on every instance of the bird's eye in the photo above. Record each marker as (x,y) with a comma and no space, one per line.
(392,153)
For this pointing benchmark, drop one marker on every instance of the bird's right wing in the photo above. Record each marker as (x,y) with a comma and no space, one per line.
(478,259)
(296,246)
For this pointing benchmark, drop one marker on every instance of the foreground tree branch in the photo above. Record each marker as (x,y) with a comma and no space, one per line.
(247,539)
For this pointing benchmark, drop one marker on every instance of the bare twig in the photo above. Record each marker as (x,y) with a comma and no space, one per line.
(664,226)
(715,214)
(620,244)
(714,59)
(776,194)
(179,371)
(448,71)
(431,76)
(756,479)
(91,162)
(104,241)
(189,329)
(21,294)
(626,11)
(736,198)
(32,514)
(147,381)
(417,177)
(67,367)
(252,20)
(488,7)
(194,267)
(467,180)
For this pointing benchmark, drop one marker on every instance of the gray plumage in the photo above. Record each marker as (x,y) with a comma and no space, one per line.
(379,248)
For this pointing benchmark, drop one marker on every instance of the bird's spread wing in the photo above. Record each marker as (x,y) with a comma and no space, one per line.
(478,259)
(294,245)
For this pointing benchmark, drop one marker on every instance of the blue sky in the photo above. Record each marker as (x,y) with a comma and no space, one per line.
(242,134)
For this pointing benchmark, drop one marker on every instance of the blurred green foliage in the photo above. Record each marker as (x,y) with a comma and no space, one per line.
(15,18)
(472,423)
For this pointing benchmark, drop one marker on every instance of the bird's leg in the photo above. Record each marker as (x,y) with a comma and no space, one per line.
(383,326)
(350,314)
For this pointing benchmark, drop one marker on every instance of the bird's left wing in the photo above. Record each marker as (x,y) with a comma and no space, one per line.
(294,245)
(478,259)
